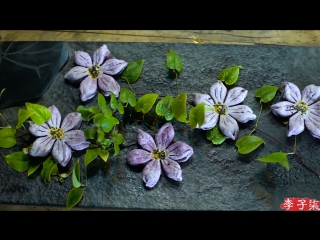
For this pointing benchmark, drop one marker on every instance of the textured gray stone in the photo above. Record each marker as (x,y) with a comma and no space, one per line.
(215,177)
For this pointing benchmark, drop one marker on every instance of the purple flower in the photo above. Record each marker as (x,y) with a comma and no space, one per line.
(160,155)
(221,108)
(58,138)
(303,109)
(96,74)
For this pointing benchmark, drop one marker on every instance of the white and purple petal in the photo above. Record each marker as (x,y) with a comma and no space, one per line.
(310,94)
(146,141)
(295,125)
(218,92)
(38,130)
(151,173)
(210,120)
(290,92)
(100,55)
(164,136)
(235,96)
(114,66)
(283,109)
(55,119)
(179,151)
(82,58)
(241,113)
(76,140)
(42,146)
(139,156)
(61,152)
(107,83)
(88,88)
(228,126)
(199,98)
(312,119)
(77,74)
(71,121)
(172,169)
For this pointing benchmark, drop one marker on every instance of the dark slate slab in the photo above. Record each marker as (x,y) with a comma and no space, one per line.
(215,177)
(28,69)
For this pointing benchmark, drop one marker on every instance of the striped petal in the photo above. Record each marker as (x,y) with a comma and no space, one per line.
(241,113)
(77,74)
(55,119)
(235,96)
(228,126)
(138,156)
(71,121)
(295,125)
(310,94)
(179,151)
(172,169)
(100,55)
(199,98)
(61,152)
(82,58)
(38,130)
(42,146)
(146,141)
(114,66)
(76,140)
(218,92)
(283,109)
(151,173)
(107,83)
(164,136)
(88,88)
(290,92)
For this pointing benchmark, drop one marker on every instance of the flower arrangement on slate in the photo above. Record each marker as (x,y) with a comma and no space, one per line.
(216,111)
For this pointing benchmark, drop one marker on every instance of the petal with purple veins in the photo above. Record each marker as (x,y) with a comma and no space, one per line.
(151,173)
(42,146)
(114,66)
(164,136)
(55,119)
(100,55)
(88,88)
(107,83)
(283,109)
(295,125)
(290,92)
(172,169)
(61,152)
(38,130)
(179,151)
(235,96)
(76,140)
(138,156)
(241,113)
(71,121)
(228,126)
(210,120)
(77,74)
(205,98)
(82,58)
(310,94)
(218,92)
(146,141)
(312,119)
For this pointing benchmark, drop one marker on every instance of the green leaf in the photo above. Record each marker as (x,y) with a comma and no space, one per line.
(120,108)
(76,178)
(90,133)
(23,115)
(107,112)
(90,155)
(266,93)
(7,137)
(133,71)
(104,154)
(101,137)
(33,167)
(105,143)
(179,109)
(18,161)
(174,61)
(85,113)
(164,107)
(196,115)
(74,197)
(116,149)
(98,119)
(40,115)
(277,157)
(247,144)
(93,109)
(48,165)
(229,75)
(146,102)
(127,96)
(117,138)
(109,123)
(101,101)
(113,101)
(215,136)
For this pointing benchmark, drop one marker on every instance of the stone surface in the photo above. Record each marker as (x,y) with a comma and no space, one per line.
(215,177)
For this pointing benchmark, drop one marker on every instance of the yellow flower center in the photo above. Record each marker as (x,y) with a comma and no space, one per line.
(220,108)
(159,154)
(301,107)
(94,71)
(56,133)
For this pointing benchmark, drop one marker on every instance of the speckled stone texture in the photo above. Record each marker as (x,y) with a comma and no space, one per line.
(215,177)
